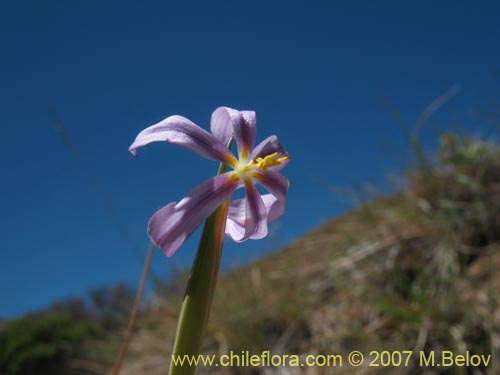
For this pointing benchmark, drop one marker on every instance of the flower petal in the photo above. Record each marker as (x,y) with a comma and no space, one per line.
(274,182)
(254,219)
(171,225)
(222,122)
(236,218)
(244,133)
(256,214)
(181,131)
(269,146)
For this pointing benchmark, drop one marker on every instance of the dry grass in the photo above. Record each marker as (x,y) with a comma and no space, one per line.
(416,271)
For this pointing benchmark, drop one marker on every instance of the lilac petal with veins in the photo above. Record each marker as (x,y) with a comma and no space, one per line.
(171,225)
(222,123)
(255,212)
(245,133)
(236,218)
(181,131)
(275,183)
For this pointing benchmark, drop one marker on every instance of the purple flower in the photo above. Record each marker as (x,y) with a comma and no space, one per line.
(247,218)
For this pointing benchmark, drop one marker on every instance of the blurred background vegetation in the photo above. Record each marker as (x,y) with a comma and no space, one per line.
(415,269)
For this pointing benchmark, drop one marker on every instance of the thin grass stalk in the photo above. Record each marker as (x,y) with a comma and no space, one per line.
(135,311)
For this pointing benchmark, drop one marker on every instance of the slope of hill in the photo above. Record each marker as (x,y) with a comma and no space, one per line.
(414,271)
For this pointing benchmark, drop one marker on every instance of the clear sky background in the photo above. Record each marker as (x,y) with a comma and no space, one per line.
(314,72)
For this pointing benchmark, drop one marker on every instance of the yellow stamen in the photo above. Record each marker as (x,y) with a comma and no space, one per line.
(269,161)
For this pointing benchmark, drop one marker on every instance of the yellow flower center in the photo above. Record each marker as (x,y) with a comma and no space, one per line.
(243,167)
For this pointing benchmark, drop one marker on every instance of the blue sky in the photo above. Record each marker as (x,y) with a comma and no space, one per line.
(314,72)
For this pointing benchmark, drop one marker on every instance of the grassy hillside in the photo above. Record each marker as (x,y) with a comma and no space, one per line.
(413,271)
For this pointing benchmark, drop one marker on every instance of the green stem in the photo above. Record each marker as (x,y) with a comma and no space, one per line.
(200,290)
